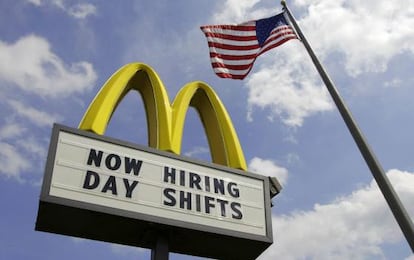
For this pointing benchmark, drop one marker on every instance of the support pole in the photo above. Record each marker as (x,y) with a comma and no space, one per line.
(160,251)
(380,177)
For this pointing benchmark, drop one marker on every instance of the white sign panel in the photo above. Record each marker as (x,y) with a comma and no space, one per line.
(121,177)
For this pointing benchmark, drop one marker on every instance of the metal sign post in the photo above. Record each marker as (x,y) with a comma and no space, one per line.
(160,251)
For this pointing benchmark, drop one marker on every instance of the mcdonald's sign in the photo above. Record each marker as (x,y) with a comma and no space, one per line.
(165,121)
(106,189)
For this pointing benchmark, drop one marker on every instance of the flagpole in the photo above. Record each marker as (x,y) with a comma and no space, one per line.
(384,184)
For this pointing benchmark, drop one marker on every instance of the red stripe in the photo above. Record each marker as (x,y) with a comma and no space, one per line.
(232,57)
(230,37)
(274,37)
(276,44)
(243,67)
(233,47)
(230,27)
(231,67)
(230,76)
(281,28)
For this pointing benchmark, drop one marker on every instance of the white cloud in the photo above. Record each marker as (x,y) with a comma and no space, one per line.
(31,146)
(293,158)
(30,64)
(366,35)
(37,117)
(394,83)
(286,83)
(78,11)
(268,168)
(238,11)
(287,86)
(411,257)
(12,162)
(351,227)
(369,33)
(35,2)
(81,11)
(11,130)
(197,151)
(20,151)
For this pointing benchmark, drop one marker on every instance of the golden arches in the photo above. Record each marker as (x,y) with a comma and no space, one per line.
(165,121)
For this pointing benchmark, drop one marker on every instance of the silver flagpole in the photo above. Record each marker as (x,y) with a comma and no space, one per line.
(380,177)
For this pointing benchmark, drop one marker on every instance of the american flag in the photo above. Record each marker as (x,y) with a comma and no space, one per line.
(234,48)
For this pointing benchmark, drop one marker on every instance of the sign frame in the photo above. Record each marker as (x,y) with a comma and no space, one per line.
(87,220)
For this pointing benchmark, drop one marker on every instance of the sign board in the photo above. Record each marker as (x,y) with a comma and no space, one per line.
(106,189)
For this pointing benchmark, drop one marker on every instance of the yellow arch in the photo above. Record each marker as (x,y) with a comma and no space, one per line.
(166,121)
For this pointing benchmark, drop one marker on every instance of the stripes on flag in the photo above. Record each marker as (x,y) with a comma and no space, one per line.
(234,48)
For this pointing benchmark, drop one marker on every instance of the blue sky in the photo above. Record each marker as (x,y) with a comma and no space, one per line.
(56,54)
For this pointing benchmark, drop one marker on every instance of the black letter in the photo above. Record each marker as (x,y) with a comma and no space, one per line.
(218,186)
(198,202)
(207,183)
(223,206)
(110,185)
(235,193)
(96,158)
(195,179)
(132,164)
(167,193)
(129,188)
(87,183)
(184,199)
(182,178)
(117,162)
(169,174)
(208,205)
(236,207)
